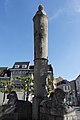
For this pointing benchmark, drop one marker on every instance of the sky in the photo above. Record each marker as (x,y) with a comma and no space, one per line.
(17,37)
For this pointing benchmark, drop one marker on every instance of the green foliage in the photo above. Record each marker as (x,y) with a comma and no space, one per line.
(49,86)
(27,84)
(3,82)
(5,88)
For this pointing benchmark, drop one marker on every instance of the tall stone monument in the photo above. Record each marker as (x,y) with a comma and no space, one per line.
(40,21)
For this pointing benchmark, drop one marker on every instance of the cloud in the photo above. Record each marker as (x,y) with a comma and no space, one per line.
(73,6)
(56,15)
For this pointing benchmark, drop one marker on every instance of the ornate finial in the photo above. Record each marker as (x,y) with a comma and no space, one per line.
(40,7)
(41,10)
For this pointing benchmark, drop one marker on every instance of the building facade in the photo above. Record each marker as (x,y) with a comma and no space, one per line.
(78,89)
(19,69)
(24,69)
(74,92)
(56,81)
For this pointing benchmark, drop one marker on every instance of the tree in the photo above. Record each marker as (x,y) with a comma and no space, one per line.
(4,83)
(49,85)
(7,87)
(27,84)
(10,86)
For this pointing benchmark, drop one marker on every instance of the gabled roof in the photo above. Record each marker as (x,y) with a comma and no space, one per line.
(59,79)
(78,77)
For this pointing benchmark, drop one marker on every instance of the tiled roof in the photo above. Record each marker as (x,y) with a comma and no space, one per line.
(58,79)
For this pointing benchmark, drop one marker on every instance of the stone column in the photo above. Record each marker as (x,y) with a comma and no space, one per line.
(40,58)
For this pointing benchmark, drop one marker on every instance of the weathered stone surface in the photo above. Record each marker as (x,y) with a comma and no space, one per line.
(53,108)
(16,109)
(40,58)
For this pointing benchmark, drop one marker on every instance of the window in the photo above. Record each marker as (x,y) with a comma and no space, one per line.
(24,66)
(64,88)
(16,66)
(16,72)
(68,87)
(20,72)
(23,72)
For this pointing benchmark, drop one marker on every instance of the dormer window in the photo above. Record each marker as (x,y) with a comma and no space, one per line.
(24,66)
(16,66)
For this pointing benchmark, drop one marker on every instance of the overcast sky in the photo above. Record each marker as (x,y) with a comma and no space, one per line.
(16,34)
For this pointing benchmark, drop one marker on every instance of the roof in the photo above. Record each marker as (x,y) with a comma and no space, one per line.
(78,77)
(63,82)
(3,70)
(50,67)
(31,67)
(58,79)
(20,64)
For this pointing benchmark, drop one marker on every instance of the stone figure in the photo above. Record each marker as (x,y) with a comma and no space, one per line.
(53,108)
(12,96)
(55,101)
(8,109)
(59,95)
(16,109)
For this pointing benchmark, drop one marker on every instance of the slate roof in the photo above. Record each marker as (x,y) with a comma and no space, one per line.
(20,64)
(2,70)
